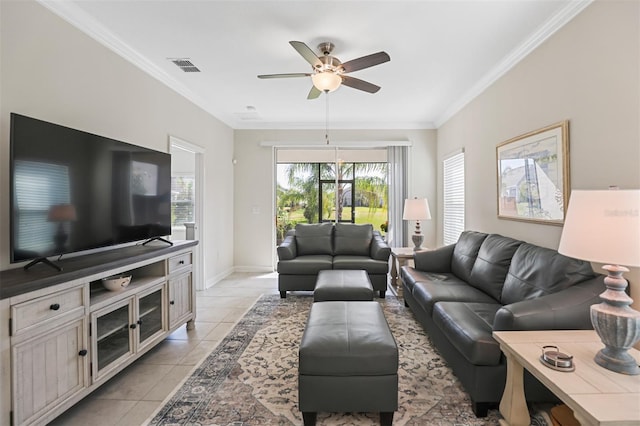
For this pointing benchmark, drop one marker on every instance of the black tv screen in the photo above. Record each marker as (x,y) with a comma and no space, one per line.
(73,191)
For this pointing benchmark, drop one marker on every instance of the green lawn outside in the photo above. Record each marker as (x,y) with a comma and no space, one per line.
(376,217)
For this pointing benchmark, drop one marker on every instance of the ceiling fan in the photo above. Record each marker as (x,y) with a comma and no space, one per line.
(329,73)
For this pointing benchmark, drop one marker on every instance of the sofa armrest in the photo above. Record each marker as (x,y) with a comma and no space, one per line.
(287,249)
(568,309)
(380,250)
(438,260)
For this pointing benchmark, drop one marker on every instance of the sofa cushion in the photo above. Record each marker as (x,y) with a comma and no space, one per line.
(492,264)
(352,239)
(434,288)
(366,263)
(306,265)
(536,271)
(465,253)
(468,326)
(314,238)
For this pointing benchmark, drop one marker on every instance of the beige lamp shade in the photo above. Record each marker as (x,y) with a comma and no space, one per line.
(416,209)
(603,226)
(62,213)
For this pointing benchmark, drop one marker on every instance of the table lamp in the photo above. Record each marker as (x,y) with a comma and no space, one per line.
(416,209)
(604,227)
(61,213)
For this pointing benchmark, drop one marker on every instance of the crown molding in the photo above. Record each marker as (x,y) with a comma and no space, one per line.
(94,29)
(566,14)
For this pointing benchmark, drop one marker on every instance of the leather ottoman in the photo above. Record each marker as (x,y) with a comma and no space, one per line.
(342,285)
(348,361)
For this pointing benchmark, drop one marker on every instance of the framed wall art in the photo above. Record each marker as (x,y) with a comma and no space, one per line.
(533,175)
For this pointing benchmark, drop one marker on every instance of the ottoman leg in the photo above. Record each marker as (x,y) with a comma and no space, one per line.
(309,419)
(283,294)
(382,292)
(386,418)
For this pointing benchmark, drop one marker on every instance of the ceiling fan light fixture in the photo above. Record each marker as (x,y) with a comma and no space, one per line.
(326,81)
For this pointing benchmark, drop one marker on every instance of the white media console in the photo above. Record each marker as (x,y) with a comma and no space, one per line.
(62,335)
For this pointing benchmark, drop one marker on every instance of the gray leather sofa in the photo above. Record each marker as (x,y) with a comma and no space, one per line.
(461,293)
(310,248)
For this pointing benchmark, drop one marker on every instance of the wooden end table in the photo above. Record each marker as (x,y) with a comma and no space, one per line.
(596,395)
(400,256)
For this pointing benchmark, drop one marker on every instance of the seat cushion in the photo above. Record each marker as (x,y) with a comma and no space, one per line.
(366,263)
(492,264)
(537,271)
(465,253)
(468,326)
(314,238)
(305,265)
(446,288)
(347,339)
(352,239)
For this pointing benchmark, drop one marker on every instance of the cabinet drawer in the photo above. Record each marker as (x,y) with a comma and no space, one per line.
(46,310)
(178,262)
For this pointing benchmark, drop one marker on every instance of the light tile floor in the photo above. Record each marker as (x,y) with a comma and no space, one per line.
(134,394)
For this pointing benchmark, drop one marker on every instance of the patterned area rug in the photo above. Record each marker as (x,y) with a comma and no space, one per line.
(251,377)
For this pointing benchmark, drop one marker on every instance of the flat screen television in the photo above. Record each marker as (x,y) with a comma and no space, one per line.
(73,191)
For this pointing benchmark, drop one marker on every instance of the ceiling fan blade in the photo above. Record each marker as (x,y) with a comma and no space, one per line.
(366,61)
(314,93)
(298,74)
(306,52)
(356,83)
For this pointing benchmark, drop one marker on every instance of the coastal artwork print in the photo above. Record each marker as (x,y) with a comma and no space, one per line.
(533,175)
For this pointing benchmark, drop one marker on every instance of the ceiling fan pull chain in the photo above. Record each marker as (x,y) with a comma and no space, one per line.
(326,118)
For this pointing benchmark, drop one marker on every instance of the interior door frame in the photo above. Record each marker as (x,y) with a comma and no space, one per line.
(198,151)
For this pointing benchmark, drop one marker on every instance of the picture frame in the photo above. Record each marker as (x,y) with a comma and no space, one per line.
(533,175)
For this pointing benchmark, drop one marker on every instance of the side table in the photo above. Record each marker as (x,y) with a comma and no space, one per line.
(400,256)
(596,395)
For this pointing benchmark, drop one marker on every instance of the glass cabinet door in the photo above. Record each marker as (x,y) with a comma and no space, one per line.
(151,322)
(112,335)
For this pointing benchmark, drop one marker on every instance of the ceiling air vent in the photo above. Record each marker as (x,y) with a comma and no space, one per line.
(185,65)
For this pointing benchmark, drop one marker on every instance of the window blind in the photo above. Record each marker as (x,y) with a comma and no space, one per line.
(38,187)
(182,199)
(453,168)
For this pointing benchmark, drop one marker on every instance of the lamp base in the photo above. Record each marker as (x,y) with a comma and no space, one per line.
(616,323)
(618,360)
(417,241)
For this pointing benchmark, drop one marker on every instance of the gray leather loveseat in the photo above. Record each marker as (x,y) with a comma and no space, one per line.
(311,248)
(461,293)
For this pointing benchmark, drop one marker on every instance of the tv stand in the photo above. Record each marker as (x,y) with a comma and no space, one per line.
(159,239)
(63,334)
(45,261)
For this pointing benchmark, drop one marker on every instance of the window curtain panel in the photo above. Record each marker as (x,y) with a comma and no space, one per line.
(398,229)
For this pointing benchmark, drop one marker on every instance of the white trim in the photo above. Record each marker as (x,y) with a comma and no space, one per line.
(218,277)
(94,29)
(566,14)
(332,145)
(185,146)
(178,143)
(452,153)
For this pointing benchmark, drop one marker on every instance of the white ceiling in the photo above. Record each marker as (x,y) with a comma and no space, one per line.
(443,53)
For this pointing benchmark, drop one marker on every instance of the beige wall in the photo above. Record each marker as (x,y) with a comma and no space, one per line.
(52,71)
(254,180)
(587,73)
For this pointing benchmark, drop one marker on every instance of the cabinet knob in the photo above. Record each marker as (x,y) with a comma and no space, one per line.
(133,326)
(139,322)
(172,302)
(54,307)
(181,262)
(83,352)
